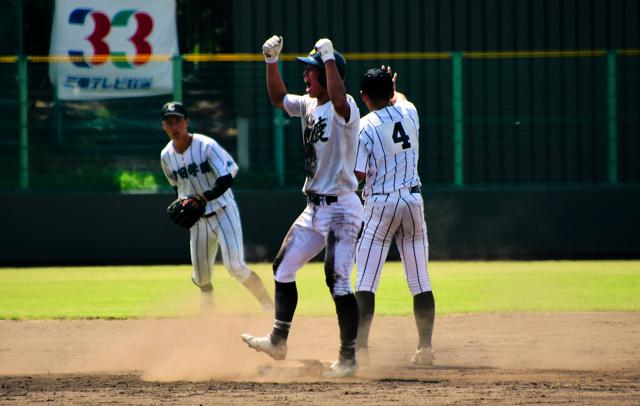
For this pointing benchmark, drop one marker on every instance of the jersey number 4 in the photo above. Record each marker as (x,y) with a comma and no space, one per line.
(399,135)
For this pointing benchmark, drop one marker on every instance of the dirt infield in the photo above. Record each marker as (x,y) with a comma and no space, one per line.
(577,358)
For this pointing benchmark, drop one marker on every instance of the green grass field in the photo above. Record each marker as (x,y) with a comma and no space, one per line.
(459,287)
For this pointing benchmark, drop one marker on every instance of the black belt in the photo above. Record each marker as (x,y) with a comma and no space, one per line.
(213,213)
(318,199)
(412,189)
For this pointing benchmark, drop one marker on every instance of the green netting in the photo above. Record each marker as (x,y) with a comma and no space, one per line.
(527,122)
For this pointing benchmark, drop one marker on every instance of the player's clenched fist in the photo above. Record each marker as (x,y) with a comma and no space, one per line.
(324,47)
(272,48)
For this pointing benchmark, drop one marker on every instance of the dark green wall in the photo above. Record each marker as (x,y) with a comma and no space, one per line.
(132,229)
(439,25)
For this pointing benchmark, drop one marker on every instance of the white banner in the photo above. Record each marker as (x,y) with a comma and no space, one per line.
(117,48)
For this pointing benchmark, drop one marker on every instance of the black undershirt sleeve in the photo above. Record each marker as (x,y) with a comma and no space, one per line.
(222,184)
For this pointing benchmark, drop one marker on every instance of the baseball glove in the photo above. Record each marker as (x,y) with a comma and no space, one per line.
(186,210)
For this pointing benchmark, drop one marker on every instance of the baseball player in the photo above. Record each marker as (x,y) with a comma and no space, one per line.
(387,160)
(333,216)
(197,165)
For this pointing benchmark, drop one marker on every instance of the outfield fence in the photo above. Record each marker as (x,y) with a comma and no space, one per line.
(489,119)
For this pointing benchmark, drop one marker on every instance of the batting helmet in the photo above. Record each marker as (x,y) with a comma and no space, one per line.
(314,59)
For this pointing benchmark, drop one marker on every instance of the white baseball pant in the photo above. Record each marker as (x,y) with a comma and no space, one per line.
(224,228)
(399,214)
(335,226)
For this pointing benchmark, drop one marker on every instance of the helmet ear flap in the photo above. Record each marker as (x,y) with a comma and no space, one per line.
(322,77)
(341,63)
(342,70)
(314,59)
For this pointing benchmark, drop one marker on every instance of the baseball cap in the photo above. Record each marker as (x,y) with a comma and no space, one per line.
(377,83)
(314,59)
(173,108)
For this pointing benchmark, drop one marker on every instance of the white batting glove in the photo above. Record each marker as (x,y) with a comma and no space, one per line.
(324,46)
(272,48)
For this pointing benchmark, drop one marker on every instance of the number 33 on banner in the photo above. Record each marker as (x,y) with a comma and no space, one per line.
(101,49)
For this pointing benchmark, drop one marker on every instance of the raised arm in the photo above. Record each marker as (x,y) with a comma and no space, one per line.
(397,96)
(275,85)
(335,86)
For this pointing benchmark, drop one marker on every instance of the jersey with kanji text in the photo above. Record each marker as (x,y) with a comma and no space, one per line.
(329,143)
(197,168)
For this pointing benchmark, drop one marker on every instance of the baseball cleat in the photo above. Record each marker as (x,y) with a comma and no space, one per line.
(341,368)
(423,357)
(263,344)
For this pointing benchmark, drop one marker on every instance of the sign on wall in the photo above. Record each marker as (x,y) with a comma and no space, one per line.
(110,49)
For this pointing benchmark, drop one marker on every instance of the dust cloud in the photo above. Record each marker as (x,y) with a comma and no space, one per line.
(210,348)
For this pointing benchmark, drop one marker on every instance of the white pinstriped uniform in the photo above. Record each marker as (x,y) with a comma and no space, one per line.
(195,171)
(388,155)
(334,143)
(330,157)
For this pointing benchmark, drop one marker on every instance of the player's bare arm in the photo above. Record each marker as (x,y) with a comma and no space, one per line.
(275,85)
(397,96)
(335,85)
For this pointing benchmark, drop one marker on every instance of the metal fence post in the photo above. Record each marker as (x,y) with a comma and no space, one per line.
(278,141)
(458,129)
(24,124)
(23,103)
(278,144)
(177,77)
(242,150)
